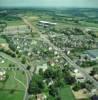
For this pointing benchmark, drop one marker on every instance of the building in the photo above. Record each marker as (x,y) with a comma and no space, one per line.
(96,77)
(46,23)
(79,76)
(92,54)
(43,67)
(82,94)
(2,75)
(41,97)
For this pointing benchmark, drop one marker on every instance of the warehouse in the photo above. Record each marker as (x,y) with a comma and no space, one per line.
(47,23)
(93,54)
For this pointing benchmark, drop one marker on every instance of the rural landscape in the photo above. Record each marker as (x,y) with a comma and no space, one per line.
(49,54)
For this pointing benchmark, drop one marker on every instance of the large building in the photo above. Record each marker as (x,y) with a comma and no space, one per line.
(93,54)
(46,23)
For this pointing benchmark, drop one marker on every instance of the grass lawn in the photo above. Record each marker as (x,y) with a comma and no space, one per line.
(6,63)
(89,24)
(71,24)
(12,84)
(66,93)
(6,95)
(14,23)
(2,40)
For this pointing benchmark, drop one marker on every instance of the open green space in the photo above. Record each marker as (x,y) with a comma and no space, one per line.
(6,63)
(12,83)
(66,93)
(6,95)
(2,40)
(14,23)
(11,89)
(89,24)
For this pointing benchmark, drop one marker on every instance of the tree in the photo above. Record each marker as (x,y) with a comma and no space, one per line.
(41,72)
(49,73)
(11,65)
(76,87)
(28,67)
(59,83)
(53,73)
(69,79)
(36,85)
(53,91)
(23,60)
(93,72)
(12,91)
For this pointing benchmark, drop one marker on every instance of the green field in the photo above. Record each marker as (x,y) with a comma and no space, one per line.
(6,63)
(14,23)
(6,95)
(11,84)
(2,40)
(66,93)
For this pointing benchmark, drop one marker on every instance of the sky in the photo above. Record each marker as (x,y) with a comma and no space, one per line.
(49,3)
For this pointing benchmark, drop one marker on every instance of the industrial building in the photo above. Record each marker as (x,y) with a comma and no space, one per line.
(46,23)
(93,54)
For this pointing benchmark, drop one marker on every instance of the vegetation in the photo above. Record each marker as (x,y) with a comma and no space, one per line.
(11,89)
(88,63)
(36,85)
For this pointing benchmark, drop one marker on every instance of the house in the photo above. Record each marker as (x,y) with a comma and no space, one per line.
(82,94)
(2,75)
(96,77)
(43,67)
(79,76)
(41,97)
(2,60)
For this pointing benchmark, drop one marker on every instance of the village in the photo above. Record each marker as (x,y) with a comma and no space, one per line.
(48,63)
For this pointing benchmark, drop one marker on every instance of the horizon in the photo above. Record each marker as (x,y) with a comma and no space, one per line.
(49,3)
(48,7)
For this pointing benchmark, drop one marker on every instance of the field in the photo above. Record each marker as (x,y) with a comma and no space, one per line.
(2,40)
(15,23)
(66,93)
(5,95)
(6,63)
(12,88)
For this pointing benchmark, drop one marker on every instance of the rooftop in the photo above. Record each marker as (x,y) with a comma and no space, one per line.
(46,22)
(93,53)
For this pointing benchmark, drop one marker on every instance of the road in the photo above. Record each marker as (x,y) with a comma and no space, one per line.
(28,76)
(72,63)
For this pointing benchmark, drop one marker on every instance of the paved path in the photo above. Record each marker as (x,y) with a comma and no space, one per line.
(18,80)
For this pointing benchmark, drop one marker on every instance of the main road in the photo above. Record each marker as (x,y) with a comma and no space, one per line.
(72,63)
